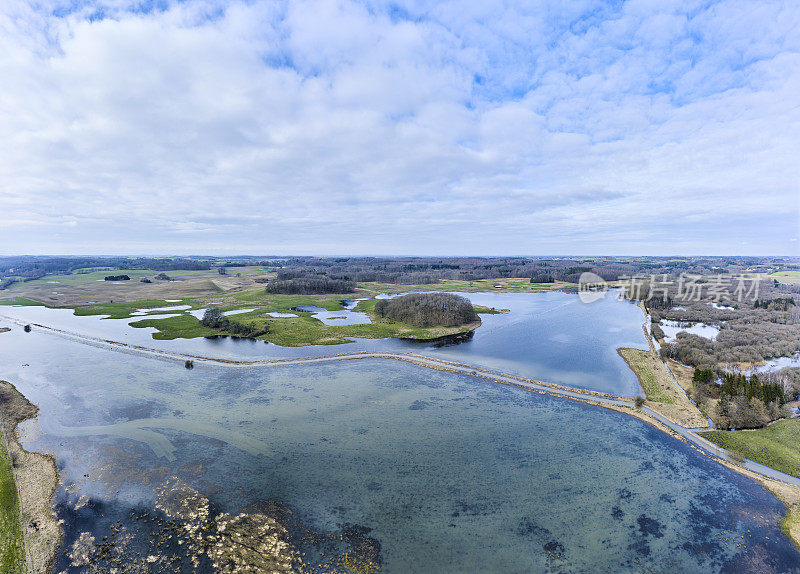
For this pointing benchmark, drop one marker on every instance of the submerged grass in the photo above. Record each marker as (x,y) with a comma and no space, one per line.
(12,553)
(776,446)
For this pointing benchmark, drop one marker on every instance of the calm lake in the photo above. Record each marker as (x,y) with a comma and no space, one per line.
(546,336)
(422,470)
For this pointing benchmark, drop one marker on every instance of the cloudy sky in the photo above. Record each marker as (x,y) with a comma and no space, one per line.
(407,127)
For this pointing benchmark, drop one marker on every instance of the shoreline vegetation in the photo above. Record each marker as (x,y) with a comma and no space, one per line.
(33,477)
(12,545)
(662,393)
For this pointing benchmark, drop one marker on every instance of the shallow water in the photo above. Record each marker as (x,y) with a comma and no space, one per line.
(546,336)
(341,317)
(777,364)
(449,473)
(672,328)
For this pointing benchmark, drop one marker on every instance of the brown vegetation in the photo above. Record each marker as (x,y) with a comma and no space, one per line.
(427,310)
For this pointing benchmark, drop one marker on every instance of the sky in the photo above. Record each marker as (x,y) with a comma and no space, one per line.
(421,128)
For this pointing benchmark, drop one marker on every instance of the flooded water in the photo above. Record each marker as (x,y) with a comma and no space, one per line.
(672,328)
(341,317)
(546,336)
(413,469)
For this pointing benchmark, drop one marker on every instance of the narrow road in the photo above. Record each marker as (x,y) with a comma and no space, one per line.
(593,397)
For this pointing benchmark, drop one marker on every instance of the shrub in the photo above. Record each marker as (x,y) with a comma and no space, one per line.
(214,319)
(427,309)
(639,401)
(117,278)
(189,364)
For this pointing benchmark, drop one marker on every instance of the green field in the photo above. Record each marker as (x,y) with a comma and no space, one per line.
(21,301)
(787,277)
(296,331)
(289,331)
(777,446)
(12,554)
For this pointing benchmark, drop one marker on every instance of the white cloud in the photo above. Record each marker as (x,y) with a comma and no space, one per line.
(339,127)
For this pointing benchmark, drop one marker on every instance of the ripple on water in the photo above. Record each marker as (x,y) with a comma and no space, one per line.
(425,470)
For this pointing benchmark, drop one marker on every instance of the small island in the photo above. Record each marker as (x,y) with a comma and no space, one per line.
(428,310)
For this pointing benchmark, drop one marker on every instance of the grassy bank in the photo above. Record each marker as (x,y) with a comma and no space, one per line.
(652,375)
(663,395)
(776,446)
(301,330)
(12,550)
(34,480)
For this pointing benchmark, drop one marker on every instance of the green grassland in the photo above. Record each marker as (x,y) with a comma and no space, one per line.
(788,277)
(297,331)
(12,554)
(21,301)
(182,326)
(776,446)
(303,329)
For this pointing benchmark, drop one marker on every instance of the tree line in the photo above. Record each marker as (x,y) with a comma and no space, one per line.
(310,286)
(741,401)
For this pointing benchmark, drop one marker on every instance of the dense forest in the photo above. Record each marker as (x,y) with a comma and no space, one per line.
(427,309)
(408,270)
(214,319)
(751,330)
(310,286)
(737,401)
(424,270)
